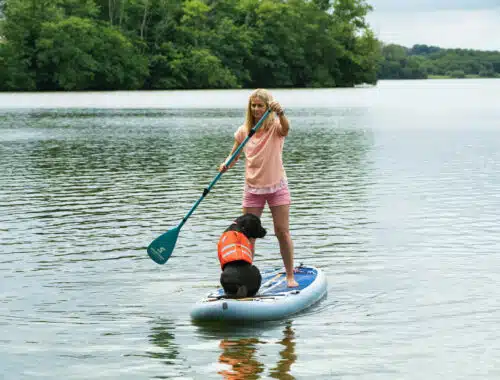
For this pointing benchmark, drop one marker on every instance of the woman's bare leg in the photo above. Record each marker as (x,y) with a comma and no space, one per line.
(281,217)
(258,212)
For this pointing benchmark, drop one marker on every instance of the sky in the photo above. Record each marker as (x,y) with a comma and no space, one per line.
(467,24)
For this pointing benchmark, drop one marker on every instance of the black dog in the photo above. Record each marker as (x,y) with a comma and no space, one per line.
(240,278)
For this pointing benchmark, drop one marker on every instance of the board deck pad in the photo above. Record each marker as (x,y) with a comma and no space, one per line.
(274,283)
(274,300)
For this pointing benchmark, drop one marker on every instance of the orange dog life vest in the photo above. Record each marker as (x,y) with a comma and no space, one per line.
(234,246)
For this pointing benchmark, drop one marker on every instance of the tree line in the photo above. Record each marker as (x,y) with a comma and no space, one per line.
(423,61)
(77,45)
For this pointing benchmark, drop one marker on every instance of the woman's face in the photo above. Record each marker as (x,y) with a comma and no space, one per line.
(258,107)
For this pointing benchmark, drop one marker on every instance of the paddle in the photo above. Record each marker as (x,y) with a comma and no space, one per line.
(162,247)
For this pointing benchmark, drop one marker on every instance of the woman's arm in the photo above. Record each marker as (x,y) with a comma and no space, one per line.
(223,167)
(285,125)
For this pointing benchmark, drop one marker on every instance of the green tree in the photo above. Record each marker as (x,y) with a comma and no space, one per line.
(268,62)
(396,63)
(368,60)
(349,19)
(204,70)
(21,29)
(79,8)
(3,68)
(115,44)
(456,74)
(78,54)
(166,68)
(323,5)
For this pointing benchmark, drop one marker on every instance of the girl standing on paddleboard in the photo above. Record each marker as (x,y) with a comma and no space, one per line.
(265,177)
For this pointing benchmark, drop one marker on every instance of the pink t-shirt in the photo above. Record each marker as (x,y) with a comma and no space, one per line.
(263,156)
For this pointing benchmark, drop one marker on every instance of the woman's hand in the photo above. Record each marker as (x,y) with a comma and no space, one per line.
(223,168)
(276,107)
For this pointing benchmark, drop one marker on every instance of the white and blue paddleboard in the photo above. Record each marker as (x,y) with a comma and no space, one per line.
(273,301)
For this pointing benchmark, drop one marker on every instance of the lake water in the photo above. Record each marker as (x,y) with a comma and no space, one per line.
(396,196)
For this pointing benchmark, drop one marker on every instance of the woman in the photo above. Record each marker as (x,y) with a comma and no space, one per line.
(265,177)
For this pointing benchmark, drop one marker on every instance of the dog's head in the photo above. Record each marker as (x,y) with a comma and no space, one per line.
(250,225)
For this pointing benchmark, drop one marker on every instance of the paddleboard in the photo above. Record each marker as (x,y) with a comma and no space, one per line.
(275,300)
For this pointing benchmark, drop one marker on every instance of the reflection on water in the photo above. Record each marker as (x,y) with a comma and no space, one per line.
(252,351)
(162,336)
(287,355)
(239,356)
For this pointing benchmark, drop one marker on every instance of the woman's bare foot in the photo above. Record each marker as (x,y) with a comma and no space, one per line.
(291,282)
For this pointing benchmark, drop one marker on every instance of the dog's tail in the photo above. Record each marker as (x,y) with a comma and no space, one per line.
(242,291)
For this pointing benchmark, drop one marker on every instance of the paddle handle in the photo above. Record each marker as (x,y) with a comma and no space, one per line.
(231,159)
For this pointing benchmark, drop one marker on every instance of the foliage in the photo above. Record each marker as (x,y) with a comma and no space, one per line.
(181,44)
(167,44)
(422,61)
(78,54)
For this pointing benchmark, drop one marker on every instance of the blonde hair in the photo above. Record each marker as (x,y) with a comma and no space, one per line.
(267,98)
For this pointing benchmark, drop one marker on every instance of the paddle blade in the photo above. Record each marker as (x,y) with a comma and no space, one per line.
(162,247)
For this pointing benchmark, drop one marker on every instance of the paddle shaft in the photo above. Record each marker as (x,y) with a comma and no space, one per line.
(231,159)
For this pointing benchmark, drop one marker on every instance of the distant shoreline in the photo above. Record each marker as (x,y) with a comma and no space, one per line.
(469,76)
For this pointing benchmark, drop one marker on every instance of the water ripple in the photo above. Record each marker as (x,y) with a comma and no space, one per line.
(403,220)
